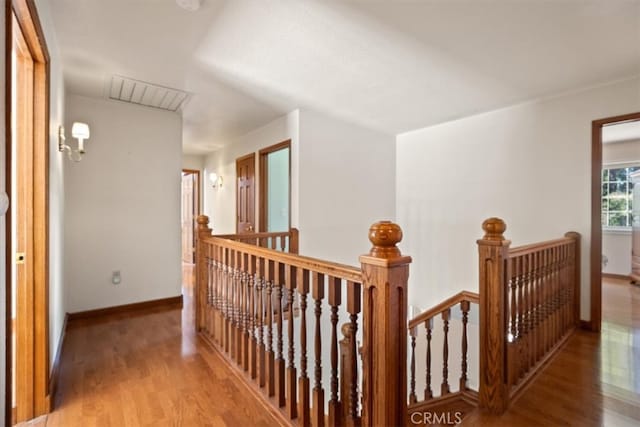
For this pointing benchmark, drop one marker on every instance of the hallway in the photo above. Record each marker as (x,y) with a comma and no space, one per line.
(147,370)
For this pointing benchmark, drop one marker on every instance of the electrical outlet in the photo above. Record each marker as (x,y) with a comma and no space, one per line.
(116,278)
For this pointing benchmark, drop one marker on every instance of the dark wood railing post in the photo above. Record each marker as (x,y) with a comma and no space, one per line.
(294,241)
(201,270)
(385,273)
(493,251)
(577,271)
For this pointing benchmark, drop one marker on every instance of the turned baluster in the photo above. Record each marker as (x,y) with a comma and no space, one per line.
(260,285)
(279,362)
(253,345)
(208,312)
(412,382)
(270,377)
(335,297)
(234,304)
(201,275)
(292,407)
(227,300)
(304,414)
(444,388)
(246,289)
(464,306)
(317,416)
(354,292)
(428,393)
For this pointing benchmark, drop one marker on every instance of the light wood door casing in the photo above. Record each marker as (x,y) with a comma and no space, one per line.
(23,237)
(27,172)
(190,208)
(245,195)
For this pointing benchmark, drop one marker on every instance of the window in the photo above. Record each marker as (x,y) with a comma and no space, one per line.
(617,196)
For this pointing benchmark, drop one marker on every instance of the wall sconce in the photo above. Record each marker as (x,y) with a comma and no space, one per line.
(216,181)
(80,131)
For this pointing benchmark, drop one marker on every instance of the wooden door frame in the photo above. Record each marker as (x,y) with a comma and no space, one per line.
(196,190)
(264,181)
(27,18)
(595,324)
(238,160)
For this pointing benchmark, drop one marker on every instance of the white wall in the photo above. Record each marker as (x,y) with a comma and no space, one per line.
(220,203)
(342,180)
(528,164)
(122,205)
(3,237)
(192,162)
(616,245)
(347,182)
(57,307)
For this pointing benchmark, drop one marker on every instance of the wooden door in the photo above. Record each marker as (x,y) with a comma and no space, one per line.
(245,195)
(22,151)
(27,393)
(190,210)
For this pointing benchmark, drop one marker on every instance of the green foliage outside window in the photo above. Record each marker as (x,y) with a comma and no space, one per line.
(617,200)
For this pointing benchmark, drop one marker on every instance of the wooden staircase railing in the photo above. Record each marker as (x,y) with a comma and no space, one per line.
(253,307)
(445,400)
(528,302)
(275,315)
(529,306)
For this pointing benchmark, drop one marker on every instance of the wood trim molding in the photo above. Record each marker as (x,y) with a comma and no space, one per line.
(8,35)
(55,369)
(595,255)
(617,276)
(127,309)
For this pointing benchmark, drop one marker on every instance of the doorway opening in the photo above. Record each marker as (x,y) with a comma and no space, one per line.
(610,203)
(275,187)
(27,393)
(189,213)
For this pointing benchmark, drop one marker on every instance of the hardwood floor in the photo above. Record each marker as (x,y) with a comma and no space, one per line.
(148,370)
(152,370)
(594,380)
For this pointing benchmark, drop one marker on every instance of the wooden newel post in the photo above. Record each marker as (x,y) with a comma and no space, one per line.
(577,271)
(201,270)
(385,274)
(493,251)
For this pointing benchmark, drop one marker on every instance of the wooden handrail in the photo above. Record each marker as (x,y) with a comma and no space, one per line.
(534,247)
(261,234)
(334,269)
(444,305)
(284,241)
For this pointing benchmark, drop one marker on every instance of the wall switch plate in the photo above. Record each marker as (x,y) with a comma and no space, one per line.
(116,278)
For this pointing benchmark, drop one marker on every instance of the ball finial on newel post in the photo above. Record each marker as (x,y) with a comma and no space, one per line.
(203,221)
(385,235)
(494,229)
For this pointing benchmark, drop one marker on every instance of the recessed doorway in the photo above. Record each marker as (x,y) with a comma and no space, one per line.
(275,187)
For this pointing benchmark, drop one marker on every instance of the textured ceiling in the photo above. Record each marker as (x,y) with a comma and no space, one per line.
(390,65)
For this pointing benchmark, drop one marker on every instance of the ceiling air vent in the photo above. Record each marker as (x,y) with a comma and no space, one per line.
(148,94)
